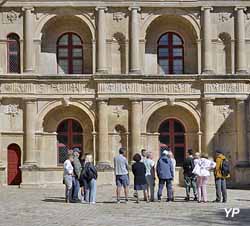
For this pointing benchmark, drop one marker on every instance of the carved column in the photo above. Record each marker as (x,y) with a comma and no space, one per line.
(103,148)
(241,130)
(101,40)
(208,129)
(136,112)
(28,39)
(29,132)
(134,40)
(240,46)
(1,163)
(207,41)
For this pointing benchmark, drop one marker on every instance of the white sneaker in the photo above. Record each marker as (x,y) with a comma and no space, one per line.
(92,203)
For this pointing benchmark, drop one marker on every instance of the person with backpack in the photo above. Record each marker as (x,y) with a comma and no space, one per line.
(221,173)
(189,177)
(89,176)
(202,169)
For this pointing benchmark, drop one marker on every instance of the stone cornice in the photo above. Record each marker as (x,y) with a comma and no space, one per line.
(128,3)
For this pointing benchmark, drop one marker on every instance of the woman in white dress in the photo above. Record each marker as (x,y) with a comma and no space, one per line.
(202,169)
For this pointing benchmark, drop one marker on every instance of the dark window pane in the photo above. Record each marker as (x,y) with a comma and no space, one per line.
(63,127)
(62,154)
(178,127)
(76,127)
(179,139)
(77,139)
(62,139)
(164,139)
(179,154)
(164,127)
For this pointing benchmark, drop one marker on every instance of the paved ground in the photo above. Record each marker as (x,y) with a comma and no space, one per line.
(46,207)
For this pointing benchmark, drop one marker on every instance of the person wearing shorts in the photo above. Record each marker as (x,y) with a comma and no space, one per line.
(121,174)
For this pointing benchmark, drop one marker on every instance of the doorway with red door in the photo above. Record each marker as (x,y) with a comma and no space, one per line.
(14,164)
(172,135)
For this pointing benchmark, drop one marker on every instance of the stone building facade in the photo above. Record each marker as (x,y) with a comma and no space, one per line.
(99,75)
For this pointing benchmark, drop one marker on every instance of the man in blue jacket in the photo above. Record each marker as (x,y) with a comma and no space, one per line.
(165,173)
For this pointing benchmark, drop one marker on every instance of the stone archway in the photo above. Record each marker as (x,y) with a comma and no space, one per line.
(49,135)
(174,23)
(164,112)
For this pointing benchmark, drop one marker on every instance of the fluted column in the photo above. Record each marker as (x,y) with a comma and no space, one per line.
(134,40)
(28,39)
(1,122)
(208,130)
(103,149)
(101,40)
(29,132)
(136,112)
(207,41)
(240,46)
(241,129)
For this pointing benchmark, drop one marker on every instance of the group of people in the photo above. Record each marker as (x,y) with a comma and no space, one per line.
(80,176)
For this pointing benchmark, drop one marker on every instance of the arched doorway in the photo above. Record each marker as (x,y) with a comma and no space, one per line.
(14,163)
(172,135)
(69,136)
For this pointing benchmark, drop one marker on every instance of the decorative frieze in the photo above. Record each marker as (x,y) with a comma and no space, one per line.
(46,88)
(226,88)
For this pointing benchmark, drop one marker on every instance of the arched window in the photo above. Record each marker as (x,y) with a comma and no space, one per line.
(13,53)
(172,135)
(70,54)
(69,136)
(171,53)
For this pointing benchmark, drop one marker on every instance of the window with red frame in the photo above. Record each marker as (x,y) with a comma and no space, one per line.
(13,52)
(70,54)
(171,54)
(69,136)
(172,135)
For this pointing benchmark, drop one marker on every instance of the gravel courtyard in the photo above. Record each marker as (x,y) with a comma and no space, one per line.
(46,207)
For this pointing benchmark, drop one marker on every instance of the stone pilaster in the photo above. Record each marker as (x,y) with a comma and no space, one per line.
(208,130)
(29,132)
(136,112)
(103,148)
(101,66)
(207,41)
(28,39)
(241,131)
(134,40)
(240,45)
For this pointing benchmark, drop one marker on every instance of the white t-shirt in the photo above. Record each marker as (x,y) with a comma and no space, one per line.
(149,164)
(68,168)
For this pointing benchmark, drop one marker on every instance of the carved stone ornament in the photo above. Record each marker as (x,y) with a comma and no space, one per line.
(117,111)
(10,17)
(225,110)
(11,109)
(223,17)
(118,16)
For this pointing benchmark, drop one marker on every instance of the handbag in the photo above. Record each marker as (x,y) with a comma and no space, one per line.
(197,170)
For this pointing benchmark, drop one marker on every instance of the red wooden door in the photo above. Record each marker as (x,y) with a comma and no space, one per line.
(14,163)
(172,135)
